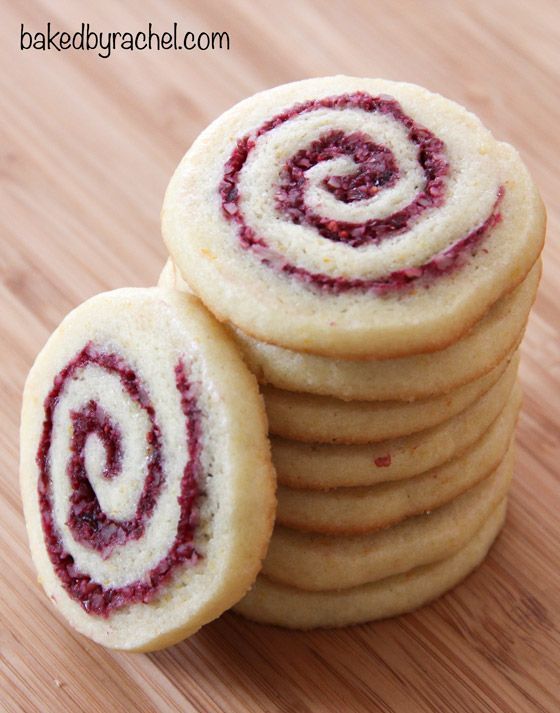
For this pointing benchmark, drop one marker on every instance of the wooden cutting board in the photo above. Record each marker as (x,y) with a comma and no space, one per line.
(88,145)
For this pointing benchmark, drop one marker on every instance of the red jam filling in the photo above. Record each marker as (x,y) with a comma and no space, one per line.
(442,263)
(383,461)
(88,523)
(376,170)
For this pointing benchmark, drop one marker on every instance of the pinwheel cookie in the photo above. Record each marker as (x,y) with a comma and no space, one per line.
(316,466)
(270,602)
(147,484)
(352,218)
(414,377)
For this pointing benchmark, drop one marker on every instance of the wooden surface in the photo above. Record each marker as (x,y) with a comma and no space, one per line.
(88,145)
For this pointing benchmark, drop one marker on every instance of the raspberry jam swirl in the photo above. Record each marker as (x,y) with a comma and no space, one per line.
(87,524)
(376,169)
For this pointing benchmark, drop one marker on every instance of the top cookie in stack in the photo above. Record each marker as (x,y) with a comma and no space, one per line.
(352,218)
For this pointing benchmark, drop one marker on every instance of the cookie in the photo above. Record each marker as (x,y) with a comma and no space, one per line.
(318,562)
(323,419)
(346,511)
(147,484)
(269,602)
(314,466)
(353,218)
(415,377)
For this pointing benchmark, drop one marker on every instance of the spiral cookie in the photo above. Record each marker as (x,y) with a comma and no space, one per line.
(357,510)
(413,377)
(321,562)
(352,217)
(323,419)
(316,466)
(269,602)
(146,480)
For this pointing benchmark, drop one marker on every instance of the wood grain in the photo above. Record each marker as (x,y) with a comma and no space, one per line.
(88,145)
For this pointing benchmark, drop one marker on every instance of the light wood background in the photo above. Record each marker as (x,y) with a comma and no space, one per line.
(87,148)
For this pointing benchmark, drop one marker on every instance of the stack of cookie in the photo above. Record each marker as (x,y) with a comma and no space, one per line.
(375,252)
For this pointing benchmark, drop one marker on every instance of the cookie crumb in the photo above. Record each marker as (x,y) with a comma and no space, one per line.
(383,461)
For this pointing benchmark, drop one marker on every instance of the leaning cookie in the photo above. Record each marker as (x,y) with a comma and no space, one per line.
(344,511)
(321,466)
(352,218)
(321,562)
(323,419)
(147,484)
(269,602)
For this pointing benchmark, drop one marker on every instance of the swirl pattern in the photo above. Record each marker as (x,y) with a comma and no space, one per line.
(96,438)
(349,169)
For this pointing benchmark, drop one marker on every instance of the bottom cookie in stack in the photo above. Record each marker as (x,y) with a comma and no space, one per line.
(405,566)
(271,603)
